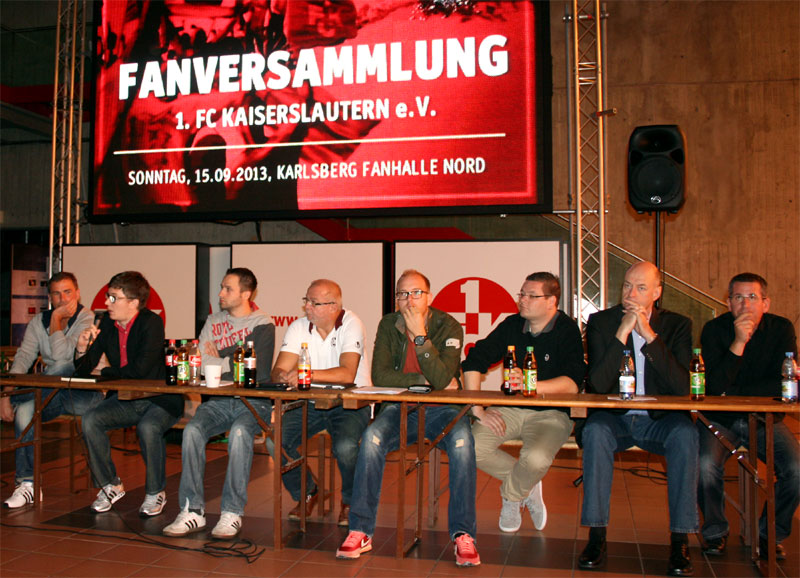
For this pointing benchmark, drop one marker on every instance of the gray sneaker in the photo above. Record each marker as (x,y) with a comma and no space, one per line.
(535,504)
(153,504)
(510,516)
(108,495)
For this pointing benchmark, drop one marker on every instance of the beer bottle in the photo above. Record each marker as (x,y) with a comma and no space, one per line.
(304,368)
(697,376)
(250,375)
(529,374)
(509,363)
(171,363)
(238,364)
(627,376)
(183,364)
(195,361)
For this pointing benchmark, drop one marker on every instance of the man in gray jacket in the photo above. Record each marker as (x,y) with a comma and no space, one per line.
(51,335)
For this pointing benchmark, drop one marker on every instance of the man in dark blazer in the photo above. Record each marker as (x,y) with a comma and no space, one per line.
(132,338)
(660,344)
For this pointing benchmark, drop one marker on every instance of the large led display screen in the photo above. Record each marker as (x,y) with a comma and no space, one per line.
(212,109)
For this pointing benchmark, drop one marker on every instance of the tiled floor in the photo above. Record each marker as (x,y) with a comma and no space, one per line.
(63,538)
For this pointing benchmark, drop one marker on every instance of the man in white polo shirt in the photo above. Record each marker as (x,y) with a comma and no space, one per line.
(335,339)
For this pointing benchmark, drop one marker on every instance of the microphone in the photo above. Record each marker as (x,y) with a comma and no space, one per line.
(98,317)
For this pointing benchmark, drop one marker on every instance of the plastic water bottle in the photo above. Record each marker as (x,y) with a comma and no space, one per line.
(509,364)
(304,368)
(789,381)
(529,373)
(195,361)
(697,376)
(627,376)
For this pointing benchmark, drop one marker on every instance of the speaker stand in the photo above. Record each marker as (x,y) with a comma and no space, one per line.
(659,234)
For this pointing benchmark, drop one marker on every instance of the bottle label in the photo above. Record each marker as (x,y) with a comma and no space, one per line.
(627,384)
(304,374)
(789,389)
(697,383)
(238,371)
(183,371)
(195,360)
(170,359)
(529,383)
(507,378)
(250,363)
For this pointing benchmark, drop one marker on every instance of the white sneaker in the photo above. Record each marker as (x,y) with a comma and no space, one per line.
(510,516)
(153,504)
(228,526)
(535,504)
(23,495)
(108,494)
(186,522)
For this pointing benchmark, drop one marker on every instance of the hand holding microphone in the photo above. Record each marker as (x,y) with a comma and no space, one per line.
(87,336)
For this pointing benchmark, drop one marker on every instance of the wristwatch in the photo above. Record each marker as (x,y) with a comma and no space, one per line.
(420,340)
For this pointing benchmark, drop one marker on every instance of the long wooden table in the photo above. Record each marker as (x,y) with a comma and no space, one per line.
(134,388)
(759,409)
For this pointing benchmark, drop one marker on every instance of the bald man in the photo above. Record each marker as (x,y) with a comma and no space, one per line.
(660,343)
(335,339)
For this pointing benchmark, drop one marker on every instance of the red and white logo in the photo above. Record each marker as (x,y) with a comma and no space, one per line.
(477,303)
(154,303)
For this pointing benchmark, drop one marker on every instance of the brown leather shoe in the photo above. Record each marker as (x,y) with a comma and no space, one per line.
(344,516)
(311,501)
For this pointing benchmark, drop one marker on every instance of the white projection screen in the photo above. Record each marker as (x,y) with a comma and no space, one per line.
(285,270)
(171,271)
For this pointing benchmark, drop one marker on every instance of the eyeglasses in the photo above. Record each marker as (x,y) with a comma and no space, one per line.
(415,293)
(752,298)
(307,301)
(113,298)
(531,296)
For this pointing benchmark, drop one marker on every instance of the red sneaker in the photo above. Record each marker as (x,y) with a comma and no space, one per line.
(466,553)
(354,545)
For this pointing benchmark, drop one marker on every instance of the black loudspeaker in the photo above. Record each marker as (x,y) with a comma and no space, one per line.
(656,168)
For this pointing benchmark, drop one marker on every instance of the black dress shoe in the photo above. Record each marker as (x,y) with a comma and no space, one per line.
(593,555)
(780,551)
(680,564)
(715,547)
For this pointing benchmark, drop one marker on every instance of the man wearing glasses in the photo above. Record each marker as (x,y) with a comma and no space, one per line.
(415,345)
(335,339)
(238,319)
(558,349)
(660,342)
(52,335)
(743,351)
(132,338)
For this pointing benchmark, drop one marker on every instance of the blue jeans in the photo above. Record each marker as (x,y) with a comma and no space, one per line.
(66,401)
(151,421)
(213,417)
(345,427)
(674,436)
(383,436)
(713,456)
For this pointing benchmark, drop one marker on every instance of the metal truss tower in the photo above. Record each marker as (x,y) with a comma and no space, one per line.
(585,40)
(65,189)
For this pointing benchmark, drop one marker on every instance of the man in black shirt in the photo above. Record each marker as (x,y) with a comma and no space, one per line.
(743,352)
(558,350)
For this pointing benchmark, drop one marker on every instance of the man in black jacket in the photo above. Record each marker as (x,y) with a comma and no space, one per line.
(743,352)
(132,338)
(660,342)
(558,350)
